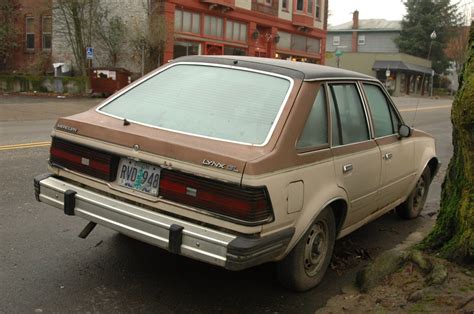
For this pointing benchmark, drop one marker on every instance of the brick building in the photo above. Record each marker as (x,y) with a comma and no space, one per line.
(287,29)
(33,23)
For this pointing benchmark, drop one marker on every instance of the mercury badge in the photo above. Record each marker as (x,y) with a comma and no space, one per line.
(219,165)
(66,128)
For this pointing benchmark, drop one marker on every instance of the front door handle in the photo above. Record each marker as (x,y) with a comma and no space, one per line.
(347,168)
(387,156)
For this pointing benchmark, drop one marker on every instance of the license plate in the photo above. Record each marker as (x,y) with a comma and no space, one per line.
(139,176)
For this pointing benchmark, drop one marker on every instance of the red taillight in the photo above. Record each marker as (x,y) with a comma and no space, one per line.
(83,159)
(249,204)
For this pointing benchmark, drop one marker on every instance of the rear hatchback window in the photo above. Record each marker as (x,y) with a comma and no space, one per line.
(216,102)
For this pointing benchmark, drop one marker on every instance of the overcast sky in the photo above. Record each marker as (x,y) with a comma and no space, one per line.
(340,11)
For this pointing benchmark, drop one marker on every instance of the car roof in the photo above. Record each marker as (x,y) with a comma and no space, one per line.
(299,70)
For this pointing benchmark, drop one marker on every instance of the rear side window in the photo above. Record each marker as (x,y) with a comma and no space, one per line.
(381,115)
(315,132)
(350,113)
(216,102)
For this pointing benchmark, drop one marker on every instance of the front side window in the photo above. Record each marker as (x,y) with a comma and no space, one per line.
(361,40)
(209,101)
(380,110)
(30,32)
(315,132)
(47,31)
(350,112)
(336,40)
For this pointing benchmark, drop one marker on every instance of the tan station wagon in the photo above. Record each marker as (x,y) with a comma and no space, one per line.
(238,161)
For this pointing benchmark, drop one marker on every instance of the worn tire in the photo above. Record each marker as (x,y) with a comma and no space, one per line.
(413,206)
(303,268)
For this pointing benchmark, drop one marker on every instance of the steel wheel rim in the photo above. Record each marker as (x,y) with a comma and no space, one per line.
(419,193)
(316,248)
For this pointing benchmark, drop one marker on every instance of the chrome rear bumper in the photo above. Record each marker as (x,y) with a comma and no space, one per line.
(176,235)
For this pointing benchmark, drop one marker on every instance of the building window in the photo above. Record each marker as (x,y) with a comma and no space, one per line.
(336,40)
(318,10)
(284,5)
(361,40)
(186,48)
(235,31)
(187,22)
(46,29)
(234,51)
(285,40)
(313,45)
(299,5)
(213,26)
(30,33)
(310,7)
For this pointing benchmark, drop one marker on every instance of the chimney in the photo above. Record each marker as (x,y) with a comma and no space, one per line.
(355,20)
(355,26)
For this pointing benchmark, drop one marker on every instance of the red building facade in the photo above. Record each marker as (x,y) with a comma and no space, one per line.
(33,22)
(285,29)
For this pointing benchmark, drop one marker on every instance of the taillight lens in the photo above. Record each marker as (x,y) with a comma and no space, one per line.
(248,204)
(83,159)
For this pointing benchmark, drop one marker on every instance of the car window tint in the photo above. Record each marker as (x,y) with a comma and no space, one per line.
(395,120)
(216,102)
(336,135)
(315,132)
(379,107)
(353,123)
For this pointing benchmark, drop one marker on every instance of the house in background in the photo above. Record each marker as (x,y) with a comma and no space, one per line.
(33,23)
(368,46)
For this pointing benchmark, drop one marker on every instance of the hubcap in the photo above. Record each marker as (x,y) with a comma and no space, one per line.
(419,193)
(316,248)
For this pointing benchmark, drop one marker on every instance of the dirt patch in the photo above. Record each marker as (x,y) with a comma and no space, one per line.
(411,290)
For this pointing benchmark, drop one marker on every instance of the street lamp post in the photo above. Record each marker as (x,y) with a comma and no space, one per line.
(433,37)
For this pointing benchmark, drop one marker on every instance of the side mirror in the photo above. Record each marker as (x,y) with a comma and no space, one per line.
(404,130)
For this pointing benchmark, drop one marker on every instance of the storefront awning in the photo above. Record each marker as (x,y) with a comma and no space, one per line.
(400,65)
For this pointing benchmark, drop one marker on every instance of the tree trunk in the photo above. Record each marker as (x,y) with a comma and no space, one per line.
(453,234)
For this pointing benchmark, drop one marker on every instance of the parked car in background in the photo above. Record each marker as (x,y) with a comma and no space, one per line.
(238,161)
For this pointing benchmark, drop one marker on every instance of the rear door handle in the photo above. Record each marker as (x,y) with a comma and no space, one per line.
(347,168)
(387,156)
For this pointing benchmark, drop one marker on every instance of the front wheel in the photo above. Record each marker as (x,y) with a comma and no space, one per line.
(304,267)
(413,206)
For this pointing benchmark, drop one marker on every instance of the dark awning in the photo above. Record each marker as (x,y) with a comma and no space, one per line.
(400,65)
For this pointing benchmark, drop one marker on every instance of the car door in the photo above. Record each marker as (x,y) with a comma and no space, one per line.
(396,153)
(356,155)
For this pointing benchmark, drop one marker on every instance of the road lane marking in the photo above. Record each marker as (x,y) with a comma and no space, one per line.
(24,145)
(425,108)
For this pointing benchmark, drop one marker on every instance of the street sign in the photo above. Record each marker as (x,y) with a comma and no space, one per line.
(89,53)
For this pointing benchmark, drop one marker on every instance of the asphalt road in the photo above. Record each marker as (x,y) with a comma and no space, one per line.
(45,267)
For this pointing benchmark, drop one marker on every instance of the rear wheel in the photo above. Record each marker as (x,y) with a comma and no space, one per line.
(304,267)
(413,206)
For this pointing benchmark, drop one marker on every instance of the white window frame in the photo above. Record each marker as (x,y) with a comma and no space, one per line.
(336,40)
(361,40)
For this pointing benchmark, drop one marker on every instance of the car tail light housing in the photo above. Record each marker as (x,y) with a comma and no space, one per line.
(83,159)
(248,205)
